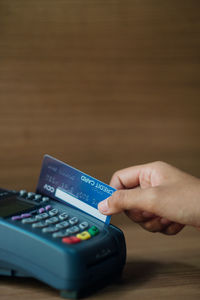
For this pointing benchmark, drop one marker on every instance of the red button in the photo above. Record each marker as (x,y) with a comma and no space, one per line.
(71,240)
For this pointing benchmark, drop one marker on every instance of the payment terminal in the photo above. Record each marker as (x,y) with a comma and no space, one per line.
(56,243)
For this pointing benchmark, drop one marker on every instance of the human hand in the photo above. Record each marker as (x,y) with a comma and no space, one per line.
(158,196)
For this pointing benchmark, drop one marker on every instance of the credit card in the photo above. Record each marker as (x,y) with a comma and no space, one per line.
(64,183)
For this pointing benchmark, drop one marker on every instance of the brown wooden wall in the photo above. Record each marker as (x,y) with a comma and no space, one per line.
(101,85)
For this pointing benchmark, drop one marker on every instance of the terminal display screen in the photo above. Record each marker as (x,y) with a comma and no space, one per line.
(12,205)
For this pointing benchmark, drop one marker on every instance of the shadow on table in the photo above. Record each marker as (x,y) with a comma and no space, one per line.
(136,275)
(158,274)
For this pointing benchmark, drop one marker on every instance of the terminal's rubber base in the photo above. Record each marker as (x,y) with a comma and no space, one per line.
(69,294)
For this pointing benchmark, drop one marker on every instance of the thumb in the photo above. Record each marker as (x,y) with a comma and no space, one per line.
(128,199)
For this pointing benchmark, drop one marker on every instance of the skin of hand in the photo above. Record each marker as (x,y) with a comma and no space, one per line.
(158,196)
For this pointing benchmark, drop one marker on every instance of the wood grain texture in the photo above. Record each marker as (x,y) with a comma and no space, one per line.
(103,85)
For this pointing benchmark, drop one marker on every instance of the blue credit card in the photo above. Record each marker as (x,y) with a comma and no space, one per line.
(67,184)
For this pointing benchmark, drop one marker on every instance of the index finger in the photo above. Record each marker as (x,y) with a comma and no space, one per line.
(126,178)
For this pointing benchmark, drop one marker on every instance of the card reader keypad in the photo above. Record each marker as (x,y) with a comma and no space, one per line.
(33,196)
(57,223)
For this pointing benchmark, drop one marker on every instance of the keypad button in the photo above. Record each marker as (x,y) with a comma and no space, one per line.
(16,218)
(53,212)
(48,207)
(29,220)
(49,229)
(84,235)
(71,240)
(27,215)
(39,224)
(23,193)
(37,198)
(73,220)
(30,195)
(45,199)
(72,230)
(62,225)
(83,225)
(41,210)
(52,220)
(60,234)
(42,216)
(63,216)
(93,230)
(4,194)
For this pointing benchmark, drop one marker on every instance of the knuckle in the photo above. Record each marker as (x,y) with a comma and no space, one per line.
(174,229)
(149,227)
(116,175)
(169,232)
(116,180)
(135,215)
(154,225)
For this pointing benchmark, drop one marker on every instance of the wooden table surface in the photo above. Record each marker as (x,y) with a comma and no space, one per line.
(102,85)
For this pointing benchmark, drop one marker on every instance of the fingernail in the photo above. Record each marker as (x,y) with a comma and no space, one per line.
(103,206)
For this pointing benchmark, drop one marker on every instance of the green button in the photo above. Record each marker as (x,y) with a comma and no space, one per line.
(93,230)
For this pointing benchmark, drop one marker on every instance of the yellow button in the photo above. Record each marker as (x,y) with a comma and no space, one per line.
(83,235)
